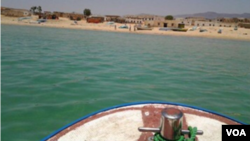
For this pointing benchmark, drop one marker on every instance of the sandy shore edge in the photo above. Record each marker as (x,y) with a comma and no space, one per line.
(228,33)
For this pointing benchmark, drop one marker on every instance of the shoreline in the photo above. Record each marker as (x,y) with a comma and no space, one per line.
(67,24)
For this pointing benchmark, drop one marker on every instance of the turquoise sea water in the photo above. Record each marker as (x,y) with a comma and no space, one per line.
(51,77)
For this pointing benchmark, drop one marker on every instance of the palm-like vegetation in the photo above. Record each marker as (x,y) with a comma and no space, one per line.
(169,17)
(87,12)
(33,9)
(39,9)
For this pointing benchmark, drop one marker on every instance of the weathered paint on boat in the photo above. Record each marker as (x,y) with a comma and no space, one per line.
(121,123)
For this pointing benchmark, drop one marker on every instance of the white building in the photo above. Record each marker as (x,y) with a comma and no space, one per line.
(190,21)
(140,19)
(200,22)
(133,19)
(214,24)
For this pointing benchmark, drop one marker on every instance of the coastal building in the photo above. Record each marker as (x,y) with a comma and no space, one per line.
(62,14)
(155,22)
(190,21)
(133,19)
(165,23)
(51,16)
(47,12)
(58,14)
(71,16)
(214,23)
(246,20)
(76,16)
(196,18)
(171,23)
(110,18)
(202,22)
(244,25)
(140,19)
(47,15)
(229,20)
(187,22)
(11,12)
(120,20)
(241,19)
(147,17)
(114,18)
(159,18)
(95,19)
(2,10)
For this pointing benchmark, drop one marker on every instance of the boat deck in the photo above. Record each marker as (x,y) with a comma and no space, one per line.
(122,124)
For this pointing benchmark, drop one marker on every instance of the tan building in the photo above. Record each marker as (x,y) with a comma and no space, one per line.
(58,14)
(66,15)
(120,20)
(71,16)
(228,20)
(165,23)
(62,14)
(76,16)
(47,15)
(244,25)
(112,18)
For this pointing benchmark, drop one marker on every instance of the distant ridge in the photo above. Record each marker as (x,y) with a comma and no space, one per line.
(212,15)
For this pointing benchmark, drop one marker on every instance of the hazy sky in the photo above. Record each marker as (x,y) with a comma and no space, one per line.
(123,7)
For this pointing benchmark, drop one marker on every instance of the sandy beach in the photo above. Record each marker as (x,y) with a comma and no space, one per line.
(227,33)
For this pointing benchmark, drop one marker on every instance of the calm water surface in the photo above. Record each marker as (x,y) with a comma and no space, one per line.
(51,77)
